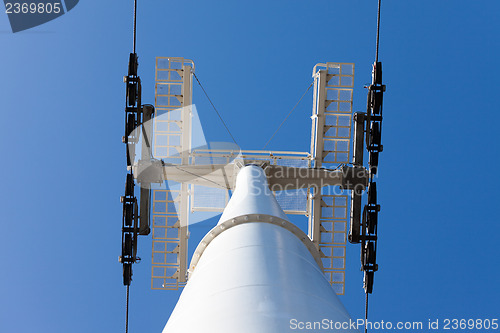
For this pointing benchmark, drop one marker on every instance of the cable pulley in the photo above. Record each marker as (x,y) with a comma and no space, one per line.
(372,194)
(132,80)
(371,221)
(369,124)
(134,222)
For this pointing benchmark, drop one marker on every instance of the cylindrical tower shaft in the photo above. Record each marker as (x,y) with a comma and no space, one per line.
(255,272)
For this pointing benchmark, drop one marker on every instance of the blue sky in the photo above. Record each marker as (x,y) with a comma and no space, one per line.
(63,165)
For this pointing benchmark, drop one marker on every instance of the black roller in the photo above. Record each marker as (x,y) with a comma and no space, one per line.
(131,93)
(131,124)
(375,135)
(133,64)
(371,221)
(372,193)
(368,282)
(377,73)
(370,253)
(378,98)
(127,245)
(128,213)
(373,162)
(129,186)
(127,274)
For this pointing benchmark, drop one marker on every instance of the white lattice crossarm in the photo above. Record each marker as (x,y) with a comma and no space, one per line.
(292,201)
(171,144)
(330,147)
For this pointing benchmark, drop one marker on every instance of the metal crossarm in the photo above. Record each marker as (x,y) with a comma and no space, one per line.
(333,226)
(332,111)
(199,179)
(173,93)
(293,201)
(167,240)
(171,144)
(331,147)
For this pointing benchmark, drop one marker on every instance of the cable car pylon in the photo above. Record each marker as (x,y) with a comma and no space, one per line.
(255,271)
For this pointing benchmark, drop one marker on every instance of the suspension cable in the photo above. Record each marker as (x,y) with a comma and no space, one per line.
(216,111)
(289,113)
(366,313)
(133,47)
(126,316)
(378,29)
(371,174)
(135,24)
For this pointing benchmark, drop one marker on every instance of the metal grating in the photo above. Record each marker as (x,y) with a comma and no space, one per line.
(167,240)
(291,201)
(208,199)
(331,147)
(172,144)
(333,227)
(337,113)
(167,136)
(173,88)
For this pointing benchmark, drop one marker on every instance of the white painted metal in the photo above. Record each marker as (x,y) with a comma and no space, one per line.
(172,143)
(254,218)
(204,168)
(256,276)
(280,178)
(330,146)
(292,202)
(183,210)
(252,196)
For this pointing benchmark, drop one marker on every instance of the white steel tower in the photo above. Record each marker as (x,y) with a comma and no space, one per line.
(255,271)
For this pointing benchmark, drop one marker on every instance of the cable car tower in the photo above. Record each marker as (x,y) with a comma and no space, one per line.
(255,270)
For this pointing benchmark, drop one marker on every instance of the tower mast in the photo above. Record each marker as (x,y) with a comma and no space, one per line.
(255,271)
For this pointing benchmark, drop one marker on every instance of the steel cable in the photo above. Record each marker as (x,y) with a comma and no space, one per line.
(289,113)
(213,106)
(366,313)
(126,316)
(135,23)
(378,30)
